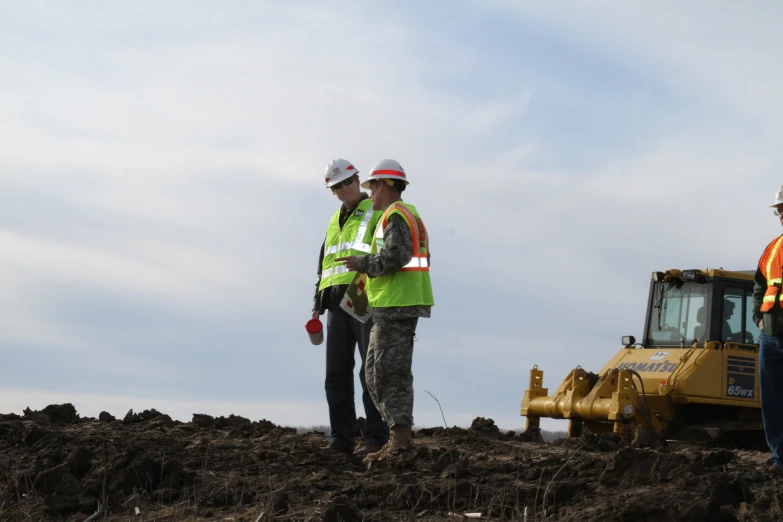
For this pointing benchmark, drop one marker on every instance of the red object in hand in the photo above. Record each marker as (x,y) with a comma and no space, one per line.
(315,329)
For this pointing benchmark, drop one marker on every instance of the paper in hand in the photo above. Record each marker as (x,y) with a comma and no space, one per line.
(355,301)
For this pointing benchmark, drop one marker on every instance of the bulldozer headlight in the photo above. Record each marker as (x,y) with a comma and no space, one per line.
(692,275)
(629,341)
(628,410)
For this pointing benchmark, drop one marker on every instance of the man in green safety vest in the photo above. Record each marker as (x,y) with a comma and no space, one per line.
(350,232)
(399,291)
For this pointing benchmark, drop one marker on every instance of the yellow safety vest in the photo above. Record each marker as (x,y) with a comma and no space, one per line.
(410,285)
(353,239)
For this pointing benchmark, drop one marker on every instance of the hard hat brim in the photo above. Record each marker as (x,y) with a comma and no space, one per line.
(366,184)
(340,177)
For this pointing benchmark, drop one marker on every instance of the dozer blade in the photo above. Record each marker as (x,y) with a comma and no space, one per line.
(610,402)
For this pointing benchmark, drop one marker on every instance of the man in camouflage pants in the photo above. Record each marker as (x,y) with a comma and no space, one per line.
(399,290)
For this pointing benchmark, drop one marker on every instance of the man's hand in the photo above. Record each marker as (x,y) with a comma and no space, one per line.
(761,323)
(315,314)
(349,262)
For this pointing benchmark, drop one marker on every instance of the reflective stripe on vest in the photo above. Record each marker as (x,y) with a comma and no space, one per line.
(356,245)
(417,263)
(339,269)
(358,241)
(771,265)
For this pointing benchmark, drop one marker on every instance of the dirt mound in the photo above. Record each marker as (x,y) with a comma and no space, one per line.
(54,413)
(148,466)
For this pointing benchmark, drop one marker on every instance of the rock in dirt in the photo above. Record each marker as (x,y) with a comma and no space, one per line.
(482,425)
(133,418)
(531,435)
(40,418)
(61,413)
(54,413)
(80,461)
(203,420)
(232,421)
(718,457)
(12,431)
(646,438)
(280,503)
(608,442)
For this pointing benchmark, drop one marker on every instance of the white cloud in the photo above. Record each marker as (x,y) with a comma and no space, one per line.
(723,54)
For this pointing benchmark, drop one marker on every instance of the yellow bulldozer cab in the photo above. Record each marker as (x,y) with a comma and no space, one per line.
(694,371)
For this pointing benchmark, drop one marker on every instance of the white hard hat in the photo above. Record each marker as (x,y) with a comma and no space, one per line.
(778,197)
(386,169)
(337,170)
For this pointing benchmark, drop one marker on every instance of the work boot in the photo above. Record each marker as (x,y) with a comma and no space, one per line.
(372,457)
(340,447)
(400,438)
(367,448)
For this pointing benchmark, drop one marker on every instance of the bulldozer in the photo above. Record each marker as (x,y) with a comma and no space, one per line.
(693,377)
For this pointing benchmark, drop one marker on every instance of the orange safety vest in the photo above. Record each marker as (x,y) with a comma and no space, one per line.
(419,262)
(771,265)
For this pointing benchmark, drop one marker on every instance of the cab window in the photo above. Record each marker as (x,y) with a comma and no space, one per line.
(736,317)
(752,330)
(678,314)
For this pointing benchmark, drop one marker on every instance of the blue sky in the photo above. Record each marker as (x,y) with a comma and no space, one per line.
(162,206)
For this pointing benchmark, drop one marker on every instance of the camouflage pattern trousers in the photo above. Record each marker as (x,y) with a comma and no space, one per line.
(388,369)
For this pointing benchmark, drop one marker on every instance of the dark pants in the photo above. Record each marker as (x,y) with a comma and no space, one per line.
(343,333)
(771,385)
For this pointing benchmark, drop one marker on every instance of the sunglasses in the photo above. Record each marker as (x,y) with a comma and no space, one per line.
(343,183)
